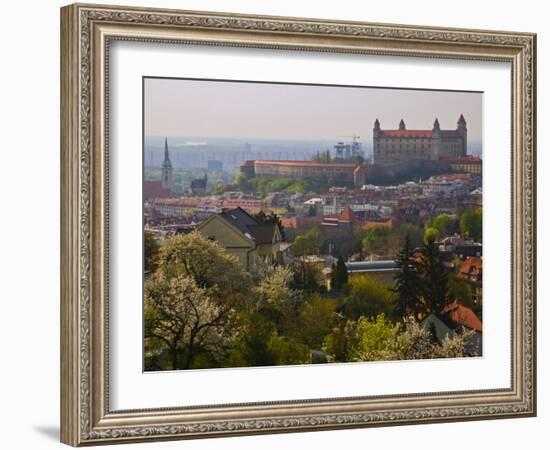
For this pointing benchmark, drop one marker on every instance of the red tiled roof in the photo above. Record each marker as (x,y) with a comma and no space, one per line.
(463,315)
(305,164)
(471,266)
(348,215)
(407,133)
(154,189)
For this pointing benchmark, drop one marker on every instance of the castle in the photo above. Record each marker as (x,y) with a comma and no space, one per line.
(394,146)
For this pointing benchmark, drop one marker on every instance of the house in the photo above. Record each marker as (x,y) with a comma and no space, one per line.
(457,315)
(471,270)
(245,237)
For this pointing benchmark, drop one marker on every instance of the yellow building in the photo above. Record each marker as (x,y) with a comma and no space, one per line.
(243,236)
(468,164)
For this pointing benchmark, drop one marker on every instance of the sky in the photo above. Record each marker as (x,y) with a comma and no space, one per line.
(179,107)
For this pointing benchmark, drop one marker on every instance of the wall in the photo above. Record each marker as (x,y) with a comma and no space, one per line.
(29,287)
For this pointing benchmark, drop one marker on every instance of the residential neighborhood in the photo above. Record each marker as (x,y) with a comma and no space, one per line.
(336,244)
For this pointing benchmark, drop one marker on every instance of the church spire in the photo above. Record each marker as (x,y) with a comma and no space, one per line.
(166,163)
(167,179)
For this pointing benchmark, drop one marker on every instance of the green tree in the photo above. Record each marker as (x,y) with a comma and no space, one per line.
(150,251)
(460,290)
(431,234)
(379,339)
(287,351)
(444,224)
(339,275)
(407,281)
(377,241)
(368,296)
(252,346)
(342,342)
(315,320)
(471,224)
(308,243)
(435,278)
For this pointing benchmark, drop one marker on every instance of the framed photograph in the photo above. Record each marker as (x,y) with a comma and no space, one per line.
(277,224)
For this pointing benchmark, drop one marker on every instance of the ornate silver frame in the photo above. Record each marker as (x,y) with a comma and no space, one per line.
(86,31)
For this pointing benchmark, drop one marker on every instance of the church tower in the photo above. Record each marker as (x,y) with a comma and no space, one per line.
(167,172)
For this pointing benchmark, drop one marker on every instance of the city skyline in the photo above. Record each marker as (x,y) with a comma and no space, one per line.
(250,110)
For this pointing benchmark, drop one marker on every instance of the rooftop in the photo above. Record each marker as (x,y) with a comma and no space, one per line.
(367,266)
(305,164)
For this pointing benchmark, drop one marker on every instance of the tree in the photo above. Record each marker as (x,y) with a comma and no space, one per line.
(186,319)
(207,263)
(315,320)
(431,234)
(308,243)
(471,224)
(193,300)
(339,275)
(386,241)
(444,224)
(368,296)
(460,290)
(341,343)
(434,278)
(407,282)
(378,339)
(377,241)
(276,300)
(150,251)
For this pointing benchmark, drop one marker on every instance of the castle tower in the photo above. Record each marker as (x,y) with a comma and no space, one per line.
(463,132)
(436,141)
(167,173)
(376,142)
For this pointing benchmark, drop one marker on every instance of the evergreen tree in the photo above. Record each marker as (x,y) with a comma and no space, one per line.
(407,281)
(339,274)
(435,278)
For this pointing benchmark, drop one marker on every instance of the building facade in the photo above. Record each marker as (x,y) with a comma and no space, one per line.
(240,234)
(351,174)
(393,146)
(468,164)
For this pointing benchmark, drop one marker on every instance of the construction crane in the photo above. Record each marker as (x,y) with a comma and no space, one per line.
(347,151)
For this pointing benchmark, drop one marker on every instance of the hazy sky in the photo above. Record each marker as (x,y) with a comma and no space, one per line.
(258,110)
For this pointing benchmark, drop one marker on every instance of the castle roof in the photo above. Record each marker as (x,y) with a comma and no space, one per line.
(406,133)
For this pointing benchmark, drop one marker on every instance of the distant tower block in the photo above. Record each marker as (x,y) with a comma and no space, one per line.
(167,173)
